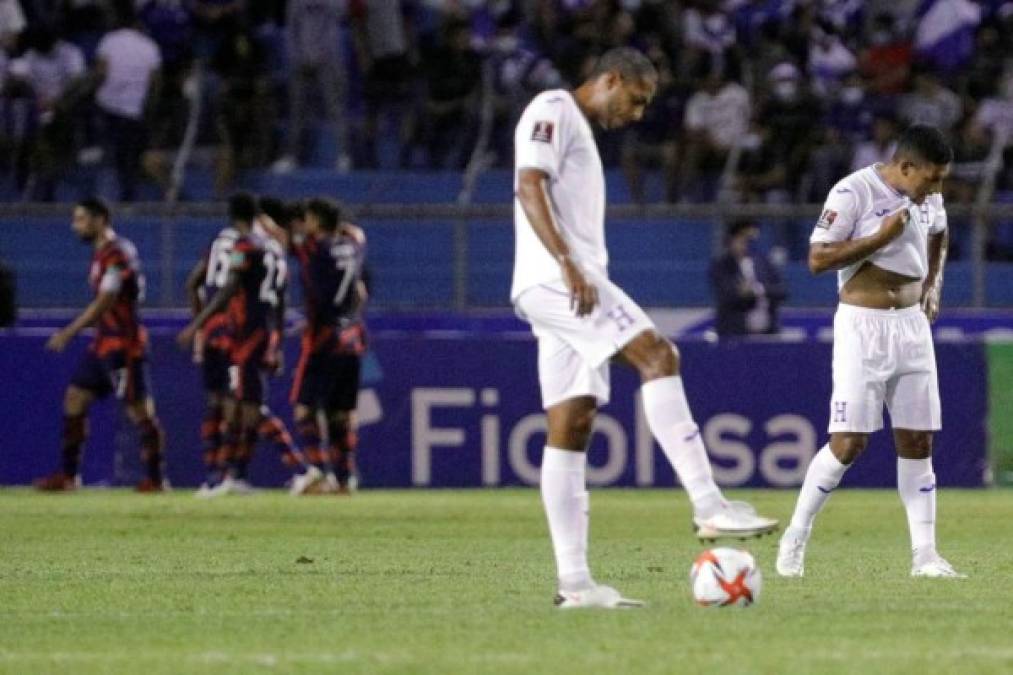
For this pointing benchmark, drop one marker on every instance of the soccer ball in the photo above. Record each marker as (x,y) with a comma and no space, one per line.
(725,576)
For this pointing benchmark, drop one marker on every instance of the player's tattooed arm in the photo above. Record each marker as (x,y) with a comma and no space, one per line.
(102,302)
(932,287)
(825,256)
(216,305)
(535,202)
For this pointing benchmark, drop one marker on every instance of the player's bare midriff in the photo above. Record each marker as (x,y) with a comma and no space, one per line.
(877,288)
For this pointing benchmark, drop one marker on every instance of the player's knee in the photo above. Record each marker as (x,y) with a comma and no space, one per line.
(847,447)
(75,401)
(662,360)
(914,445)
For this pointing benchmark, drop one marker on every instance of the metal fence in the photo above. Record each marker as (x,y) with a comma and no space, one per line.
(173,223)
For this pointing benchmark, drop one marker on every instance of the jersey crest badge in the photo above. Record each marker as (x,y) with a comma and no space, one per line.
(542,132)
(827,219)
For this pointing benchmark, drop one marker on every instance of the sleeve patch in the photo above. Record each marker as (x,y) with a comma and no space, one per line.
(542,132)
(827,219)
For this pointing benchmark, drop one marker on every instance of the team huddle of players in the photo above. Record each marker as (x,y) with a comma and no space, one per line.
(238,293)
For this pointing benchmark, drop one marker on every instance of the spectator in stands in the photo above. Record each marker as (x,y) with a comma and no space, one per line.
(880,147)
(762,175)
(830,61)
(717,117)
(518,72)
(793,115)
(52,70)
(244,110)
(930,102)
(128,64)
(886,62)
(316,56)
(967,169)
(653,142)
(995,118)
(214,20)
(387,57)
(747,287)
(707,29)
(12,22)
(453,75)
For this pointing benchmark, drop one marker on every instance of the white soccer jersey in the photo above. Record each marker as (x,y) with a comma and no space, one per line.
(856,208)
(554,136)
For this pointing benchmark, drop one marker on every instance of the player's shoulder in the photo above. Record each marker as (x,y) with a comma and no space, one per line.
(354,232)
(854,187)
(119,250)
(935,200)
(556,101)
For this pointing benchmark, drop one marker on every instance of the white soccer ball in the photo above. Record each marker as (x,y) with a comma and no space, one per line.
(723,577)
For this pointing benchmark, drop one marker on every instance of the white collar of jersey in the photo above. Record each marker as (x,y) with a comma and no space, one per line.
(895,191)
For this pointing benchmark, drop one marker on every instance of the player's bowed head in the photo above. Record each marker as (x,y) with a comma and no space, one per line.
(920,162)
(619,88)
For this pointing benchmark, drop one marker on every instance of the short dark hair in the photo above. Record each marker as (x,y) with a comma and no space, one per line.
(630,63)
(737,227)
(242,207)
(96,206)
(922,143)
(327,211)
(275,209)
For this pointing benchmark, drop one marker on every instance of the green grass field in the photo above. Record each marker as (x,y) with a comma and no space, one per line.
(462,582)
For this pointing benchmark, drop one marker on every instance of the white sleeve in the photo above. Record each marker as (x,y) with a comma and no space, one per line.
(840,213)
(112,280)
(539,140)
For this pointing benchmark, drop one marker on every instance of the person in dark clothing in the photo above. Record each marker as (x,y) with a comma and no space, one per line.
(748,289)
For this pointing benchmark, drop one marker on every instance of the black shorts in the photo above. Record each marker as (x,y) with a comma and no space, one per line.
(115,373)
(215,369)
(327,380)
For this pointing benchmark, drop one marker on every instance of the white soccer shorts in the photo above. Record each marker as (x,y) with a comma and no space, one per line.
(883,356)
(574,352)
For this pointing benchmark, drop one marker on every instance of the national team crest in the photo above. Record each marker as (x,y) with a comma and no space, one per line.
(542,132)
(827,219)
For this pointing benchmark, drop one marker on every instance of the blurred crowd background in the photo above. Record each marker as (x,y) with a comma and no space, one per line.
(760,100)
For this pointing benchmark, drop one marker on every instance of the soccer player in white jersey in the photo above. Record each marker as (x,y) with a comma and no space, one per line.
(582,320)
(884,230)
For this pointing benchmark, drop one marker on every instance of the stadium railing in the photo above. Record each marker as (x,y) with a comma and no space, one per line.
(458,256)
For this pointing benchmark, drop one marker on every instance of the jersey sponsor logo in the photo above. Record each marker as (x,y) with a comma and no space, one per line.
(542,132)
(880,214)
(827,219)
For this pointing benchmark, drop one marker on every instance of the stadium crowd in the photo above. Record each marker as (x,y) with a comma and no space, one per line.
(765,100)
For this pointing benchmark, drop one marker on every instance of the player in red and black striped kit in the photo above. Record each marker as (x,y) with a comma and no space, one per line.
(212,347)
(251,299)
(115,361)
(331,256)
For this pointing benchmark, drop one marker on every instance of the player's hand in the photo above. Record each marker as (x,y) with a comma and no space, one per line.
(186,336)
(583,294)
(58,341)
(930,302)
(893,225)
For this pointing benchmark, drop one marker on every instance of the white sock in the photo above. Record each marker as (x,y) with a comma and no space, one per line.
(671,422)
(916,483)
(823,475)
(567,509)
